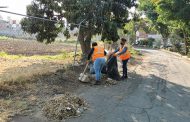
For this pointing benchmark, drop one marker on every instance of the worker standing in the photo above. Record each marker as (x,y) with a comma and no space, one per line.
(124,55)
(97,54)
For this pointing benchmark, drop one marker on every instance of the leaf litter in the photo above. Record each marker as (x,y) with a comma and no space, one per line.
(64,106)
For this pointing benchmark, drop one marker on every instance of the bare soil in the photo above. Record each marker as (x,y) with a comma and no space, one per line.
(26,85)
(158,90)
(32,47)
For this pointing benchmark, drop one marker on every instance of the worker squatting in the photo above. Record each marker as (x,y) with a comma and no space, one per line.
(97,58)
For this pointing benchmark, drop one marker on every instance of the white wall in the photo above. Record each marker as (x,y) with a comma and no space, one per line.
(155,36)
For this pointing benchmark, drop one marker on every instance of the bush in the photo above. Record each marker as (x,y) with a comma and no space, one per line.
(150,42)
(143,42)
(157,44)
(177,47)
(147,42)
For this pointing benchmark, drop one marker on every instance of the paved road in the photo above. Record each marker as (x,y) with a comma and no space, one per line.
(158,91)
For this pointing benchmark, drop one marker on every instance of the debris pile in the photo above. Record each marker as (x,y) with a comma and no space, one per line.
(110,81)
(64,106)
(105,80)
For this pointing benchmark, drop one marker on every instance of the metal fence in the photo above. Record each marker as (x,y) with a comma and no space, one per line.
(16,33)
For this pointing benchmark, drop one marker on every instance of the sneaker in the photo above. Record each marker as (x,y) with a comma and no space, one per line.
(97,83)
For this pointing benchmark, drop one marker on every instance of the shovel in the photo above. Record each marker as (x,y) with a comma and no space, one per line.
(83,77)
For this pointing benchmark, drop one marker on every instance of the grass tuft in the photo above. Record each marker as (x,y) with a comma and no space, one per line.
(3,38)
(62,56)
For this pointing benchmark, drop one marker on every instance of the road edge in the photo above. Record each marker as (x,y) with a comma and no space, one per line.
(176,54)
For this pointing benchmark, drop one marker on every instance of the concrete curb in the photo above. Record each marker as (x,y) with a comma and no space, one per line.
(176,54)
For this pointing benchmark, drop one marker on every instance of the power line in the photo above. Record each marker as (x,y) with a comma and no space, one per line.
(34,17)
(41,18)
(28,16)
(3,6)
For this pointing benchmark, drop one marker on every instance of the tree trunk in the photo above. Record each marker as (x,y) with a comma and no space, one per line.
(88,42)
(186,47)
(165,41)
(81,41)
(186,44)
(85,41)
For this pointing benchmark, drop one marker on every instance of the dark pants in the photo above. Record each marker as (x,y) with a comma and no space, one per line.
(125,67)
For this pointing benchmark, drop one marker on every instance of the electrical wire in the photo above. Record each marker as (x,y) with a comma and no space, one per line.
(34,17)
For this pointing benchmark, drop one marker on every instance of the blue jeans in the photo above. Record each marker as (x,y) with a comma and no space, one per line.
(98,66)
(125,67)
(92,70)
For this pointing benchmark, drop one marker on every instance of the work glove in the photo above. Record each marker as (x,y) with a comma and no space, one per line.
(115,54)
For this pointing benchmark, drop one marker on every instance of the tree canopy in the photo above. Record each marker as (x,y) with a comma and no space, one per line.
(169,16)
(150,9)
(100,17)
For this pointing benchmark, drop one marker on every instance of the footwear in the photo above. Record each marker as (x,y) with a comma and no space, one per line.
(124,77)
(97,83)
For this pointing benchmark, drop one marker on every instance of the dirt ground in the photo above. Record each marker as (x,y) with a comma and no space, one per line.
(158,90)
(32,47)
(21,68)
(26,84)
(31,94)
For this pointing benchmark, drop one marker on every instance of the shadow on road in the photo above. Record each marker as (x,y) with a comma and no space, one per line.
(139,99)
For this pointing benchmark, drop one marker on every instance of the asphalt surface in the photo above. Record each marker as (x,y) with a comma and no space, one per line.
(158,90)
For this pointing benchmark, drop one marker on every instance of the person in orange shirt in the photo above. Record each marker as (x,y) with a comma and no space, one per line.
(97,54)
(124,55)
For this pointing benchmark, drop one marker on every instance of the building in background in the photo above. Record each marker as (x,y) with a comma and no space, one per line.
(1,17)
(12,28)
(155,36)
(141,35)
(3,24)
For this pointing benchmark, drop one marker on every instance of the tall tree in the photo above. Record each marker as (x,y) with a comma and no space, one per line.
(150,9)
(133,26)
(176,13)
(98,16)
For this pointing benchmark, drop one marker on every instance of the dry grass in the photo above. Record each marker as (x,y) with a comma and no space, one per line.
(23,79)
(9,108)
(62,56)
(23,65)
(28,77)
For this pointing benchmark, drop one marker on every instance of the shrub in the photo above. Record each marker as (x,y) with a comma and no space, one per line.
(147,42)
(143,42)
(177,47)
(150,42)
